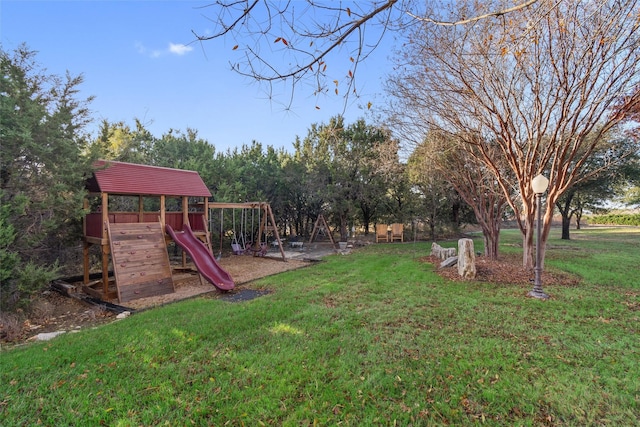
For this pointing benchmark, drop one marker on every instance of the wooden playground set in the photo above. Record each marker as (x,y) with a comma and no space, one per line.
(163,205)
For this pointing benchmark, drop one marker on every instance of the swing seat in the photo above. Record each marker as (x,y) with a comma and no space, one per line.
(261,251)
(237,249)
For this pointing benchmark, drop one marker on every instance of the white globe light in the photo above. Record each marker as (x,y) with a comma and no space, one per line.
(539,184)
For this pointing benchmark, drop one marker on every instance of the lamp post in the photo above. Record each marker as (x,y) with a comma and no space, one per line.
(539,184)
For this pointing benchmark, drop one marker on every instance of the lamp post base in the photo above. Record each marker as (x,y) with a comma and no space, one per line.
(537,294)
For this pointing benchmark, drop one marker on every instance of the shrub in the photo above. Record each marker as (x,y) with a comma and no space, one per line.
(18,290)
(10,327)
(616,219)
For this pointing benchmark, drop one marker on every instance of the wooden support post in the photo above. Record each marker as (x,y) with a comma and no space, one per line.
(275,231)
(140,209)
(205,221)
(163,210)
(85,244)
(105,250)
(105,270)
(185,220)
(263,223)
(85,261)
(185,210)
(85,207)
(105,218)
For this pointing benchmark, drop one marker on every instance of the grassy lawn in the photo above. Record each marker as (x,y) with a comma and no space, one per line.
(373,338)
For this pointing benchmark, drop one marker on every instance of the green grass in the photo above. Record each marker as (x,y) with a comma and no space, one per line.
(373,338)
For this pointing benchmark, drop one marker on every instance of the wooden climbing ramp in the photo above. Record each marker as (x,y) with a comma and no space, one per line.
(140,260)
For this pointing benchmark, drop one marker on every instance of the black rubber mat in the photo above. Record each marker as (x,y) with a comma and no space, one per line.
(240,295)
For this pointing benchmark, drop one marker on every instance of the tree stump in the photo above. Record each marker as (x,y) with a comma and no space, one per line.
(466,259)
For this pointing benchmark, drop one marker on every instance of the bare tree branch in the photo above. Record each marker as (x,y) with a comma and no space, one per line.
(297,41)
(341,31)
(476,18)
(225,28)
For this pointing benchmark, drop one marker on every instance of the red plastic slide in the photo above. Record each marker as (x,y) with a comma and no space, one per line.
(202,258)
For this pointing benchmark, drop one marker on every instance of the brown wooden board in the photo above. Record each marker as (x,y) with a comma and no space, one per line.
(140,260)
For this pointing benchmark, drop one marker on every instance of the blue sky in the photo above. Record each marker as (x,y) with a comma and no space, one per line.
(138,60)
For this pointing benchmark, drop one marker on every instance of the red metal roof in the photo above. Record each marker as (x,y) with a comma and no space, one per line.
(129,178)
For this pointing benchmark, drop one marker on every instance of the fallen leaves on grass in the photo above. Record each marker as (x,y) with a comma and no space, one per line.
(507,270)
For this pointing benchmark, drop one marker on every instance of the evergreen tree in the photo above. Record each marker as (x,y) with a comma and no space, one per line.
(42,170)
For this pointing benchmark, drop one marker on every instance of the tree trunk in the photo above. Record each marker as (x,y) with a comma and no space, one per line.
(578,218)
(491,241)
(491,247)
(431,220)
(490,233)
(566,213)
(344,229)
(432,230)
(566,222)
(546,228)
(455,213)
(367,214)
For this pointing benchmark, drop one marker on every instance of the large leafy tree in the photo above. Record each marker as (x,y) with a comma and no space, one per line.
(363,152)
(343,159)
(334,166)
(433,195)
(297,201)
(42,168)
(250,173)
(118,141)
(538,84)
(185,150)
(395,189)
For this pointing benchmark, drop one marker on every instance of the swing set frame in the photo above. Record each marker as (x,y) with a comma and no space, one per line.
(267,223)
